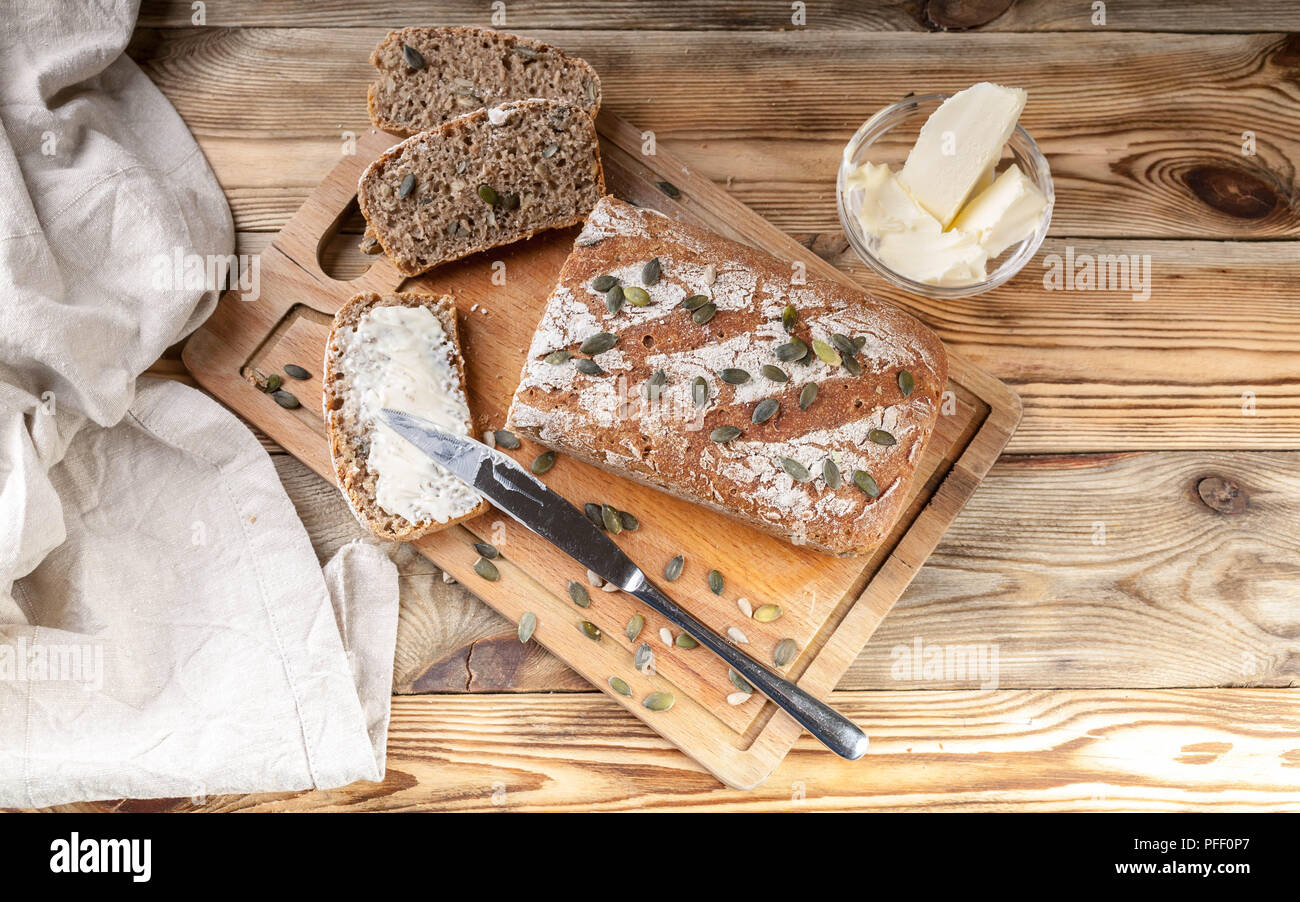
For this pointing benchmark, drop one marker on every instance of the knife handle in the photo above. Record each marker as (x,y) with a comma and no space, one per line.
(839,734)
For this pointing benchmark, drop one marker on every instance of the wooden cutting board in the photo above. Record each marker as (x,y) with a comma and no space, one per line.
(832,605)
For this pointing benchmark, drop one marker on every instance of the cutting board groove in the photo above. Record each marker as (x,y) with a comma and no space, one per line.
(832,605)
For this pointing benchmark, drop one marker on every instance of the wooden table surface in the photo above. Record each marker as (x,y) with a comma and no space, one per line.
(1133,562)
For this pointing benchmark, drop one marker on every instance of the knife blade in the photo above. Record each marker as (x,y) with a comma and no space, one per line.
(525,498)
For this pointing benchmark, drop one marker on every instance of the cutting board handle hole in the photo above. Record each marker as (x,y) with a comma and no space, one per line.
(339,253)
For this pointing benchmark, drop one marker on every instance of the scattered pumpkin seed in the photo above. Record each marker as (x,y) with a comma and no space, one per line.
(859,341)
(488,551)
(791,350)
(739,681)
(659,701)
(543,462)
(666,636)
(831,473)
(798,472)
(700,391)
(710,274)
(703,314)
(613,522)
(843,344)
(807,357)
(594,580)
(486,569)
(637,297)
(644,658)
(527,626)
(589,367)
(630,523)
(863,480)
(620,686)
(296,372)
(765,410)
(674,568)
(745,607)
(734,376)
(905,382)
(590,630)
(852,366)
(827,353)
(808,395)
(593,514)
(633,628)
(487,194)
(578,592)
(527,53)
(651,272)
(614,299)
(784,652)
(881,437)
(724,434)
(715,582)
(506,439)
(549,151)
(268,384)
(789,317)
(767,613)
(694,302)
(285,399)
(598,343)
(775,373)
(412,57)
(604,283)
(407,186)
(557,357)
(685,641)
(669,188)
(739,698)
(735,635)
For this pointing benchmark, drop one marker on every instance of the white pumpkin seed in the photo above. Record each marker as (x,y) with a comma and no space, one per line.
(737,636)
(594,580)
(644,659)
(666,636)
(739,698)
(745,607)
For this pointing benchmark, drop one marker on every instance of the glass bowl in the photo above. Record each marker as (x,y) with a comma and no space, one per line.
(886,138)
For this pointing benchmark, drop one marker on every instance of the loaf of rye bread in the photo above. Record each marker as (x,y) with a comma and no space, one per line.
(428,76)
(349,435)
(640,415)
(486,179)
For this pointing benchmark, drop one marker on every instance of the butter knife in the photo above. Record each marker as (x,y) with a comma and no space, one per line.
(522,496)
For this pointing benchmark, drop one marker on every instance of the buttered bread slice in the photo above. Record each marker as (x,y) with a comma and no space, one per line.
(399,351)
(674,357)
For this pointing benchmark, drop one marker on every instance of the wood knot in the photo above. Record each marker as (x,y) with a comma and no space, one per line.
(961,15)
(1232,191)
(1222,495)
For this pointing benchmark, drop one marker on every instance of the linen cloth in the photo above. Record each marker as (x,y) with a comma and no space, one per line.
(165,626)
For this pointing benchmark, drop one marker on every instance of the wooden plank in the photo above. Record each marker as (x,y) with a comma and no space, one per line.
(1068,750)
(1180,595)
(823,15)
(1159,139)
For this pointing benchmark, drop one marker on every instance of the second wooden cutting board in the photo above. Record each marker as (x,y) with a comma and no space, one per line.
(831,604)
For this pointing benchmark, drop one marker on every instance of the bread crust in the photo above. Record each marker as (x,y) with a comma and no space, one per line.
(560,407)
(389,231)
(350,467)
(462,37)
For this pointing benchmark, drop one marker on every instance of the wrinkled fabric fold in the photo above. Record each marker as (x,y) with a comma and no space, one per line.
(165,626)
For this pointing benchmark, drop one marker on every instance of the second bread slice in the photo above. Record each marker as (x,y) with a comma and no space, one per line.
(483,180)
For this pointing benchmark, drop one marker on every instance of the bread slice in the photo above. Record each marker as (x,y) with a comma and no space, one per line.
(879,377)
(428,76)
(483,180)
(400,351)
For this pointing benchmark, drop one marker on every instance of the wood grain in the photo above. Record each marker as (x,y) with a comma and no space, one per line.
(822,15)
(1076,750)
(1156,150)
